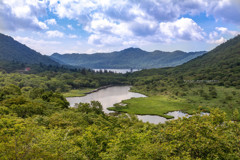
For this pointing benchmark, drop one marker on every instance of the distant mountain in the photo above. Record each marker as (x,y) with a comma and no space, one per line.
(128,58)
(11,50)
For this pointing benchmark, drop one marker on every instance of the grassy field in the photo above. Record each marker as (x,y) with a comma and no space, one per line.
(78,92)
(157,105)
(226,99)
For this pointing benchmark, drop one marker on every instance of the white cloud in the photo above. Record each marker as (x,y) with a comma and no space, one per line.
(42,46)
(226,10)
(141,32)
(217,41)
(54,34)
(21,14)
(224,30)
(217,36)
(126,22)
(72,36)
(51,21)
(70,27)
(184,28)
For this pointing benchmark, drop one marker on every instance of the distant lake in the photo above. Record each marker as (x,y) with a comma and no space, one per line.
(112,95)
(123,71)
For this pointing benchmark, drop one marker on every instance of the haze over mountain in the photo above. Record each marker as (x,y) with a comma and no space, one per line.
(11,50)
(127,58)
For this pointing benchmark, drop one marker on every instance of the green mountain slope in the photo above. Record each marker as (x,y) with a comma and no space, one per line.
(128,58)
(11,50)
(222,64)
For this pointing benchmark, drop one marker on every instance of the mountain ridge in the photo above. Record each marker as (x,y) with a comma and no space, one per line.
(127,58)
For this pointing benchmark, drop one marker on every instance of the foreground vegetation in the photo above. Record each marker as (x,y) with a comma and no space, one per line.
(41,126)
(36,123)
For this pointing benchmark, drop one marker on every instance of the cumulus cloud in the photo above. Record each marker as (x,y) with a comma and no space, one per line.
(54,34)
(72,36)
(217,36)
(217,41)
(131,20)
(51,21)
(184,28)
(42,46)
(21,14)
(226,10)
(224,30)
(126,22)
(70,27)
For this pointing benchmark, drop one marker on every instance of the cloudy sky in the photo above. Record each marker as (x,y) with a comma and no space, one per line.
(88,26)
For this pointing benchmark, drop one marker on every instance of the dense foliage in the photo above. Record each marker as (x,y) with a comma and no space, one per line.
(38,125)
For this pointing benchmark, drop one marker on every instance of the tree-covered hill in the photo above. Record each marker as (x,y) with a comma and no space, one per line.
(11,50)
(128,58)
(222,65)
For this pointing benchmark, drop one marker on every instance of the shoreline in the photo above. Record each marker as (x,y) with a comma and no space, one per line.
(94,90)
(100,88)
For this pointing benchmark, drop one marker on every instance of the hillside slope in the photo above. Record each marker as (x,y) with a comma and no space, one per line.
(11,50)
(222,64)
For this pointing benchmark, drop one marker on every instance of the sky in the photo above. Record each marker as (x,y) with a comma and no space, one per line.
(89,26)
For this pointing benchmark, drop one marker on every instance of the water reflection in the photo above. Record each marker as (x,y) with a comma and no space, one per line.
(107,97)
(112,95)
(178,114)
(123,71)
(159,119)
(152,119)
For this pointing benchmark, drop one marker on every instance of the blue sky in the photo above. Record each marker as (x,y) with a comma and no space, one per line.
(89,26)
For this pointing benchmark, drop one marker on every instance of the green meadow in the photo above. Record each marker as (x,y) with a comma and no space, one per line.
(194,99)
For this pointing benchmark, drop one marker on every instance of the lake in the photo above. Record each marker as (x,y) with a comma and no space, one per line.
(123,71)
(112,95)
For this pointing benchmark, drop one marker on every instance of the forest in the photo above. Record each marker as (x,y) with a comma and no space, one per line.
(36,122)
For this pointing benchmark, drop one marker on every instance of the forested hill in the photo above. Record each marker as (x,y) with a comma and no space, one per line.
(128,58)
(11,50)
(221,64)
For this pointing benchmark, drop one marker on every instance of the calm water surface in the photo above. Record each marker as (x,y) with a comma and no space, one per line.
(157,119)
(118,70)
(109,96)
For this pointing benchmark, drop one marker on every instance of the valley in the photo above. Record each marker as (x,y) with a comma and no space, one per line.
(35,113)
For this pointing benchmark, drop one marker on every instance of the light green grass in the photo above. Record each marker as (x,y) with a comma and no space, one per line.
(78,92)
(157,105)
(161,104)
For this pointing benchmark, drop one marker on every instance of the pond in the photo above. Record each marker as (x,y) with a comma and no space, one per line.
(107,97)
(111,95)
(123,71)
